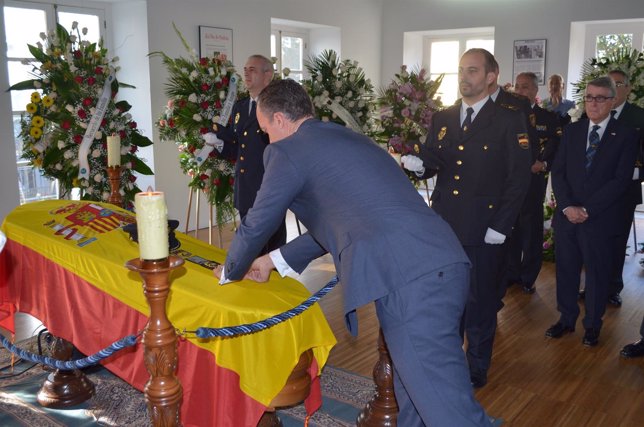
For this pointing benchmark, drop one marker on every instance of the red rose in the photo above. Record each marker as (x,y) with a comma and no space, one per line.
(66,124)
(82,114)
(192,149)
(225,80)
(203,62)
(203,131)
(98,70)
(216,182)
(171,123)
(203,177)
(218,104)
(231,180)
(182,103)
(77,54)
(205,87)
(78,139)
(122,134)
(213,153)
(132,178)
(205,105)
(78,79)
(134,149)
(91,80)
(103,123)
(87,102)
(132,125)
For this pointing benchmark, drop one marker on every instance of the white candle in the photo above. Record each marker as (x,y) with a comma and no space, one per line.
(113,150)
(152,224)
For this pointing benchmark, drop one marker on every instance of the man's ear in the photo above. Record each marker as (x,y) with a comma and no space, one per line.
(279,119)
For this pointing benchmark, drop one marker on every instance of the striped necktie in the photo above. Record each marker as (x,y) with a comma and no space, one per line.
(593,143)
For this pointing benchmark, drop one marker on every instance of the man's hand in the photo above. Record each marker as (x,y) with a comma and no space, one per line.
(538,167)
(211,139)
(260,269)
(217,271)
(412,164)
(576,214)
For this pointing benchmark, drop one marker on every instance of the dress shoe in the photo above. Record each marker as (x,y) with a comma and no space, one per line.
(582,294)
(558,330)
(591,337)
(615,300)
(528,289)
(478,380)
(635,349)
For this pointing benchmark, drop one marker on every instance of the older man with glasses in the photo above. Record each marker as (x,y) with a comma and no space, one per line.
(590,175)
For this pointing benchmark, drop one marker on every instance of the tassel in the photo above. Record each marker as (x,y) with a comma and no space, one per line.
(306,421)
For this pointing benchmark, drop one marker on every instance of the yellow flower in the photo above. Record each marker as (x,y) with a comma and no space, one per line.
(35,132)
(35,97)
(37,162)
(75,182)
(31,108)
(47,101)
(38,121)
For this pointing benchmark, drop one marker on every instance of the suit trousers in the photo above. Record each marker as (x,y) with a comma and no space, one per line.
(616,281)
(575,247)
(420,323)
(483,302)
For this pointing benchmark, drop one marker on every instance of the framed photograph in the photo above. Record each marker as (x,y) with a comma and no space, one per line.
(529,55)
(215,39)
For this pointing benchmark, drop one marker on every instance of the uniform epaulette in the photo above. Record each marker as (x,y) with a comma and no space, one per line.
(510,107)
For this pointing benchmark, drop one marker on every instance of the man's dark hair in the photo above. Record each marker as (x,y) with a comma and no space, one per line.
(286,96)
(621,73)
(604,81)
(529,75)
(491,66)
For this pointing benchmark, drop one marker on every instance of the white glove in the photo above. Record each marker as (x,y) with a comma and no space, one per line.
(211,139)
(413,164)
(493,237)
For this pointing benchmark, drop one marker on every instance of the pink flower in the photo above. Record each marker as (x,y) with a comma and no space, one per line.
(405,112)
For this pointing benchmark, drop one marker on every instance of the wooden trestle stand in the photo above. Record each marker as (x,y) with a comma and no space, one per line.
(163,391)
(382,409)
(114,174)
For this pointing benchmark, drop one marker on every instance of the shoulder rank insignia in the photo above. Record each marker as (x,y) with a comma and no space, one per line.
(523,140)
(533,120)
(236,118)
(442,133)
(416,149)
(510,107)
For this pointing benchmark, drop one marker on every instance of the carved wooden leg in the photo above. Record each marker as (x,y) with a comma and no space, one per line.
(382,409)
(163,391)
(64,388)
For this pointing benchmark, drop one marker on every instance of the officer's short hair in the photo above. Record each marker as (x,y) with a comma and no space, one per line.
(286,96)
(604,81)
(267,64)
(621,73)
(530,75)
(491,66)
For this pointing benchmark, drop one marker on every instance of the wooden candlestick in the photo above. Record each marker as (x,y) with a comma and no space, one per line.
(163,392)
(382,409)
(114,174)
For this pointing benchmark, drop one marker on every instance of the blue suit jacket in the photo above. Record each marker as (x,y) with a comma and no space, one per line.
(356,203)
(602,188)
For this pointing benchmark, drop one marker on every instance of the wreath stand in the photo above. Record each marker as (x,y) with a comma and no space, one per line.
(191,193)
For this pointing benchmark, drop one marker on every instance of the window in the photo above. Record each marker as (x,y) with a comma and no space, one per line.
(290,50)
(606,44)
(443,59)
(41,18)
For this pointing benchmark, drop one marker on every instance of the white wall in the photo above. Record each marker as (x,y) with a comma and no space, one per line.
(359,22)
(511,19)
(9,197)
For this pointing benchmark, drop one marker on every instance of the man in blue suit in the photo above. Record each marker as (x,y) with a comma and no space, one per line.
(245,143)
(590,175)
(388,246)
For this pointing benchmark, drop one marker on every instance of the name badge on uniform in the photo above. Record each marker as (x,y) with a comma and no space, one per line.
(523,140)
(442,133)
(236,118)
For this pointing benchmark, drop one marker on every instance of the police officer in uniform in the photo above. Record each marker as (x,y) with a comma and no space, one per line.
(481,155)
(525,252)
(245,142)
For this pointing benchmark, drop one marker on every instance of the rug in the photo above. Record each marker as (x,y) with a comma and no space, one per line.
(117,404)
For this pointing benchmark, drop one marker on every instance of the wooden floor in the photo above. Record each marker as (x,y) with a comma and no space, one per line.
(533,381)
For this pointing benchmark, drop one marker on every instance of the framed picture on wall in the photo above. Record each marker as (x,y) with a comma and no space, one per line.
(529,55)
(215,39)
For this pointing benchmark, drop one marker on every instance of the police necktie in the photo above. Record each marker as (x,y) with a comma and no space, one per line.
(251,112)
(593,143)
(468,120)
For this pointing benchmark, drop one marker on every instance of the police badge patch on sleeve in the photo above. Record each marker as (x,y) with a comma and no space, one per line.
(523,140)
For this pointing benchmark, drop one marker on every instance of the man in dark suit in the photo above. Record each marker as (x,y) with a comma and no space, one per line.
(526,243)
(388,246)
(245,142)
(481,156)
(592,170)
(633,116)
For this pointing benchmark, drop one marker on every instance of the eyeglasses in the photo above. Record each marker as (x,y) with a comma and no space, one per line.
(598,99)
(620,84)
